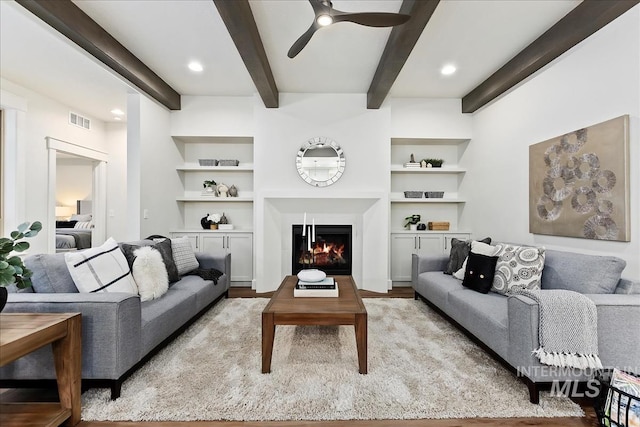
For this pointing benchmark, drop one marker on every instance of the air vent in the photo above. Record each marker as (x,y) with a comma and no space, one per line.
(78,120)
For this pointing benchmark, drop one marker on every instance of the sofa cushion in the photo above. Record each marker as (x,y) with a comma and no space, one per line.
(484,315)
(479,273)
(150,273)
(101,269)
(184,255)
(50,274)
(162,246)
(587,274)
(435,286)
(518,267)
(163,316)
(459,252)
(205,290)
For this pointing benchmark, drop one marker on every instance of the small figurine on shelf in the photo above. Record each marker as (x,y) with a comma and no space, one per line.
(223,219)
(233,191)
(223,190)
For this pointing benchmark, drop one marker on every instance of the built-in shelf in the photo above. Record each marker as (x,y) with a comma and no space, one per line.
(242,197)
(402,169)
(405,231)
(190,167)
(402,199)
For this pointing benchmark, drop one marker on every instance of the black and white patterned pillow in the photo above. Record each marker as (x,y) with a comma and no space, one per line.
(183,255)
(101,269)
(518,267)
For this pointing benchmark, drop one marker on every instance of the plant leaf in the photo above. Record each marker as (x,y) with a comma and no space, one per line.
(22,227)
(16,235)
(36,226)
(3,264)
(15,260)
(21,246)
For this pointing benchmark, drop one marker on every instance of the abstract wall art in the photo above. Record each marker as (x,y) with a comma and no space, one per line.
(579,183)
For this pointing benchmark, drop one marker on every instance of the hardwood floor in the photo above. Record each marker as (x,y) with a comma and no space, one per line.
(590,420)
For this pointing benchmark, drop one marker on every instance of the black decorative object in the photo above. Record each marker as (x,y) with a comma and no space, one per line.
(422,226)
(4,294)
(205,223)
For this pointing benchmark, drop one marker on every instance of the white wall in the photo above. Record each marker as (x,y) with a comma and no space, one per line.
(597,80)
(153,181)
(117,185)
(32,118)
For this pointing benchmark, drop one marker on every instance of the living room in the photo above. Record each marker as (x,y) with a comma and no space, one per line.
(595,81)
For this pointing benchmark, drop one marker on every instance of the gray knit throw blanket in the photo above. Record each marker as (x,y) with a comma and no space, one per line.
(568,328)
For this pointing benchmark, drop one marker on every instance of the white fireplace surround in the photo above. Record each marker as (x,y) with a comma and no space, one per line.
(366,212)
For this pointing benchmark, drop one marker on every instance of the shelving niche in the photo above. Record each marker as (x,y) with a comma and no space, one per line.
(446,178)
(194,203)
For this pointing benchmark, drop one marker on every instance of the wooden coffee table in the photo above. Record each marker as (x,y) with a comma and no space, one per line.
(22,333)
(285,309)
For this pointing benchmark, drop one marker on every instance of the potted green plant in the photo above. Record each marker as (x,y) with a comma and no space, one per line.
(412,221)
(209,186)
(12,268)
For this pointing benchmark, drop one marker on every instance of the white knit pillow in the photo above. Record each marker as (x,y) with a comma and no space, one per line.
(149,273)
(101,269)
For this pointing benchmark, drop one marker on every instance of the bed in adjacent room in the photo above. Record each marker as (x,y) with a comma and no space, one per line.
(75,233)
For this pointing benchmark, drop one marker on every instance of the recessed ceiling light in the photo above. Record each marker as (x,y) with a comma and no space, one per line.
(448,69)
(324,20)
(195,66)
(117,112)
(117,118)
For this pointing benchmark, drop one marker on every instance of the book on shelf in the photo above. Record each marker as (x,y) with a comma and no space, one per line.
(326,283)
(411,165)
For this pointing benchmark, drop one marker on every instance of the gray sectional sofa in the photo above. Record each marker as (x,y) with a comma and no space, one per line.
(119,332)
(507,326)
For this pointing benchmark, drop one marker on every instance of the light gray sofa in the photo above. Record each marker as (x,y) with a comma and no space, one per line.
(507,326)
(119,332)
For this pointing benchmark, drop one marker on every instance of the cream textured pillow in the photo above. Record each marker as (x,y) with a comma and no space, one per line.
(518,267)
(477,248)
(150,273)
(101,269)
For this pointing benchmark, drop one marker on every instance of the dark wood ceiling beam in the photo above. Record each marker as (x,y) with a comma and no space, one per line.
(584,20)
(238,18)
(401,42)
(70,20)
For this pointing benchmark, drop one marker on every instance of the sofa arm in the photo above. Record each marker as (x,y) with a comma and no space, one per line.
(111,337)
(220,262)
(422,263)
(618,322)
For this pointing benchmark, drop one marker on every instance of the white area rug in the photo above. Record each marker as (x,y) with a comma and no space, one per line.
(419,367)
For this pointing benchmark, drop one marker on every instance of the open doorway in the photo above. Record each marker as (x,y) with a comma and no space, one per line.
(81,205)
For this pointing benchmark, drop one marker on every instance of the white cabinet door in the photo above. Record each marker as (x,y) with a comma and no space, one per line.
(429,244)
(447,240)
(240,245)
(213,243)
(194,239)
(402,247)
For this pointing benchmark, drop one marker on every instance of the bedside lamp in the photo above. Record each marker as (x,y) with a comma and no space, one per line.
(63,212)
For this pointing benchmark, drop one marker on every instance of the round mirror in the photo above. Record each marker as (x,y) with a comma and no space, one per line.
(320,161)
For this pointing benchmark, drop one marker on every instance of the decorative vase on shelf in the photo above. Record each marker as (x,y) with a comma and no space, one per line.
(223,190)
(223,219)
(233,191)
(413,227)
(213,226)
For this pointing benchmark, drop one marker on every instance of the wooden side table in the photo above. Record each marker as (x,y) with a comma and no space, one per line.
(22,333)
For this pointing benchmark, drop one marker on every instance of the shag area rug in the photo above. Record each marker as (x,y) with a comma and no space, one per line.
(419,367)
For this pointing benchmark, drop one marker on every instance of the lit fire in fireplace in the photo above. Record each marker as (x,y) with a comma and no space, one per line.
(324,254)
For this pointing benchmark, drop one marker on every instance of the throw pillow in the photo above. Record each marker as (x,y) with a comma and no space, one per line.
(65,224)
(459,252)
(83,224)
(164,247)
(480,272)
(101,269)
(79,217)
(518,267)
(477,247)
(183,255)
(150,273)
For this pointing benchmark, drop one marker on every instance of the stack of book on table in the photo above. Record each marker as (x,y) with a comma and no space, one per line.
(325,288)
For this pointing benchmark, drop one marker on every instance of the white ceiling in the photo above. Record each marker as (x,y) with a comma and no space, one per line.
(477,36)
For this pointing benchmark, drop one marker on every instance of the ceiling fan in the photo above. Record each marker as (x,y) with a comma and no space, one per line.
(327,15)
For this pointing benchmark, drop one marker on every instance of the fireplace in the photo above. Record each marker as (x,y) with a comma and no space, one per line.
(330,253)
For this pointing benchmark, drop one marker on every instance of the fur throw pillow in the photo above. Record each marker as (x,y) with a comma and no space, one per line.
(150,273)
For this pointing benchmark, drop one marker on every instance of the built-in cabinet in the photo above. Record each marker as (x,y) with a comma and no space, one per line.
(238,244)
(195,202)
(405,244)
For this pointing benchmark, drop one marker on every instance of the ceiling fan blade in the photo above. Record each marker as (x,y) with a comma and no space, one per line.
(371,19)
(302,41)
